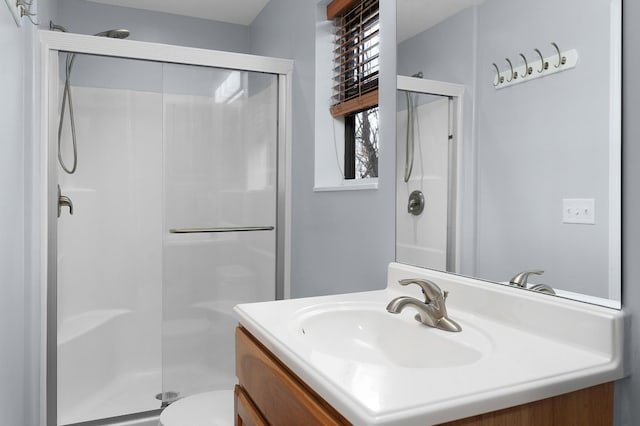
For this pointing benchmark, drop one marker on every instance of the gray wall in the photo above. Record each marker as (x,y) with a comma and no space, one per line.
(542,141)
(84,17)
(535,143)
(341,241)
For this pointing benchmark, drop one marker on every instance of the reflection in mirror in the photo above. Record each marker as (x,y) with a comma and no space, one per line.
(529,179)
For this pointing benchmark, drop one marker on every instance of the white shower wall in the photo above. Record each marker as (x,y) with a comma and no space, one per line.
(109,276)
(140,310)
(422,240)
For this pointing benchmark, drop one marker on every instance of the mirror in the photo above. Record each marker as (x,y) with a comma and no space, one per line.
(532,179)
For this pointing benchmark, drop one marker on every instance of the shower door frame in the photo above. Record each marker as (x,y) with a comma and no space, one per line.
(51,44)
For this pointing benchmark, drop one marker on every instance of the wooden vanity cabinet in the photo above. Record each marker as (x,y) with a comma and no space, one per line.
(268,393)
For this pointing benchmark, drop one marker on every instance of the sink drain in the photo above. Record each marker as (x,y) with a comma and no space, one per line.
(167,397)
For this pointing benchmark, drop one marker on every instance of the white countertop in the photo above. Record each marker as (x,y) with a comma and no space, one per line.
(531,346)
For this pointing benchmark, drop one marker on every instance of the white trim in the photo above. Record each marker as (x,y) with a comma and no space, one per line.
(350,185)
(615,153)
(53,42)
(328,132)
(433,87)
(458,137)
(455,91)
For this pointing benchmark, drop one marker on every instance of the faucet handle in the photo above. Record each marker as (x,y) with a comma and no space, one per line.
(430,289)
(521,279)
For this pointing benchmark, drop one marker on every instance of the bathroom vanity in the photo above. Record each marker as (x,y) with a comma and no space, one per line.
(521,358)
(270,393)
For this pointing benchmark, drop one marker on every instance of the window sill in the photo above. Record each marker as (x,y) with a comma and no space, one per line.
(349,185)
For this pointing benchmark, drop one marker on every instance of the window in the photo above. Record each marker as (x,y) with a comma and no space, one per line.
(361,144)
(356,58)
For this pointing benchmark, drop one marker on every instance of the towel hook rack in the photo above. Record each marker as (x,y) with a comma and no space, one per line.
(520,70)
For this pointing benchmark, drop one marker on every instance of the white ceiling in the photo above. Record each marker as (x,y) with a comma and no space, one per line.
(415,16)
(241,12)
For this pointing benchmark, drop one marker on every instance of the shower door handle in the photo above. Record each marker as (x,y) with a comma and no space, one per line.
(222,229)
(64,201)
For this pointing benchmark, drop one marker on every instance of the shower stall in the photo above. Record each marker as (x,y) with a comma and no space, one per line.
(176,211)
(428,154)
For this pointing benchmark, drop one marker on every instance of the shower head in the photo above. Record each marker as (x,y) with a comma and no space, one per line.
(114,34)
(418,74)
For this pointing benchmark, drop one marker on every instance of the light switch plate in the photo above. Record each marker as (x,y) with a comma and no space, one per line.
(579,210)
(15,11)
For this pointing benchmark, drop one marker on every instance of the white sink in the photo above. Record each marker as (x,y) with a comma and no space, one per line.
(366,333)
(378,368)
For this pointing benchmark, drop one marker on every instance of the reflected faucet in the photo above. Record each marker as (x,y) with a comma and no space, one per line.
(431,312)
(521,279)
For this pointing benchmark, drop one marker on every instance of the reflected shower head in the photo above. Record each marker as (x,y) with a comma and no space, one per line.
(54,27)
(109,33)
(114,34)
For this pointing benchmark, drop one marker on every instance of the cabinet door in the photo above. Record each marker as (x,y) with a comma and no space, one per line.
(281,397)
(246,413)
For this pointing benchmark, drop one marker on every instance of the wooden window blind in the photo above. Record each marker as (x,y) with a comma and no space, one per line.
(356,55)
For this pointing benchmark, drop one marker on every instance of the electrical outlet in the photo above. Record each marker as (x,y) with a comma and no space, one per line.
(15,11)
(579,210)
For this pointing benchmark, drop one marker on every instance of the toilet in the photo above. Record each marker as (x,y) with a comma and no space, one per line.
(203,409)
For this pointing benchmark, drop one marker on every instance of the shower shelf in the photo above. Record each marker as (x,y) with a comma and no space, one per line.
(81,324)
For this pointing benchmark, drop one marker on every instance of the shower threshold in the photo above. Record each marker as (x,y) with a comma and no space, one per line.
(147,418)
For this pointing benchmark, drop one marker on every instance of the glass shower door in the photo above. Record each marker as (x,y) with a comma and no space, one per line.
(109,250)
(219,243)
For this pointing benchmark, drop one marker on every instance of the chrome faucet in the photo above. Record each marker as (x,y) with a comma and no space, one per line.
(431,312)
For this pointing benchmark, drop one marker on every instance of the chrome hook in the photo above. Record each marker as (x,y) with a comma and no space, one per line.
(561,59)
(500,78)
(543,65)
(514,75)
(527,69)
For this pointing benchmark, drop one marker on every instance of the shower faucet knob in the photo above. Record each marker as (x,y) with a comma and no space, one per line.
(416,203)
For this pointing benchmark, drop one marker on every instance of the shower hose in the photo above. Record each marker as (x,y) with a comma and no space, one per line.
(66,99)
